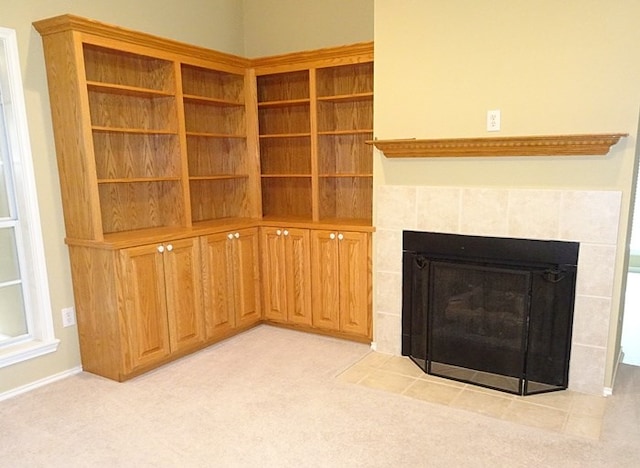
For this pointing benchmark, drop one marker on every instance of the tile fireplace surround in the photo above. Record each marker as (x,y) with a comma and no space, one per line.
(588,217)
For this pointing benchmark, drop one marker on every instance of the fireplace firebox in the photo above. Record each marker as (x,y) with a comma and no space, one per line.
(494,312)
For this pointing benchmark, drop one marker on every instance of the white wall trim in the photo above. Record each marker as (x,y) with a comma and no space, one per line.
(26,350)
(40,383)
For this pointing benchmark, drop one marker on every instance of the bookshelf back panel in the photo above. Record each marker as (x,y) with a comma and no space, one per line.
(140,205)
(283,86)
(125,155)
(207,118)
(345,80)
(347,115)
(133,112)
(345,154)
(217,199)
(215,156)
(285,155)
(213,84)
(346,198)
(287,197)
(284,120)
(126,69)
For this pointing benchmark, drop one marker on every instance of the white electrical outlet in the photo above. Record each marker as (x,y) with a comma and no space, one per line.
(493,120)
(68,316)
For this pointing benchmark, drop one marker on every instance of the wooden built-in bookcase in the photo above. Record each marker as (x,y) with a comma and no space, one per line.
(313,126)
(204,193)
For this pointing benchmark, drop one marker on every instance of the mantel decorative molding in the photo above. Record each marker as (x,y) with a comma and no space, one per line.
(546,145)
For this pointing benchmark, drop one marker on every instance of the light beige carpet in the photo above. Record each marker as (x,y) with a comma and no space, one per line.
(271,398)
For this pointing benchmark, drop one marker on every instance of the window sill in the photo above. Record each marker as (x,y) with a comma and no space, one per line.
(27,350)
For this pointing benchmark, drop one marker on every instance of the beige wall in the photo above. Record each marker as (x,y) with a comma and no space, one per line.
(210,23)
(279,26)
(550,67)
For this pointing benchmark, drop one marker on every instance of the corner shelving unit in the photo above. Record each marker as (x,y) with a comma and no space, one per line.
(315,115)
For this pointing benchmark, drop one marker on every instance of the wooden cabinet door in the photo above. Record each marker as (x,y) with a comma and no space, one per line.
(217,285)
(297,275)
(183,279)
(286,278)
(246,276)
(144,315)
(355,291)
(325,279)
(273,278)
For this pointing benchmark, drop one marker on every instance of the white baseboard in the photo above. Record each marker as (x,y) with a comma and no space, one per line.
(40,383)
(374,346)
(608,391)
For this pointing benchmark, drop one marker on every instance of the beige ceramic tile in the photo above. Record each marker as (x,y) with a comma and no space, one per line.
(481,402)
(396,206)
(387,332)
(534,214)
(438,209)
(483,211)
(595,270)
(551,419)
(387,381)
(561,400)
(591,216)
(591,320)
(374,359)
(354,374)
(442,380)
(583,426)
(588,405)
(433,392)
(388,255)
(402,365)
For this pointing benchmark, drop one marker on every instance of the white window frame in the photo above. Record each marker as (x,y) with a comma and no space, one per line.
(40,338)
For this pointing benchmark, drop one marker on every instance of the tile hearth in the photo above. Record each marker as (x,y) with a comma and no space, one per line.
(566,412)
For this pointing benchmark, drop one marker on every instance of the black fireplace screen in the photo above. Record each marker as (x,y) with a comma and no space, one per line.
(495,312)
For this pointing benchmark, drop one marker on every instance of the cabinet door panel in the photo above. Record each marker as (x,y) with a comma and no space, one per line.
(218,285)
(326,285)
(183,278)
(298,276)
(246,277)
(273,278)
(354,283)
(144,317)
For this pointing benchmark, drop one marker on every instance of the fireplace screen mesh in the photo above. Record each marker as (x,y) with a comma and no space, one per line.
(489,321)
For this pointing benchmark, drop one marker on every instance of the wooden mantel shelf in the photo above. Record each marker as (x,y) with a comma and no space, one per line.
(546,145)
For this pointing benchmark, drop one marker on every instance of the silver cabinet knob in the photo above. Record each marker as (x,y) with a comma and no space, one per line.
(278,232)
(340,236)
(286,233)
(230,236)
(332,236)
(236,235)
(169,247)
(161,248)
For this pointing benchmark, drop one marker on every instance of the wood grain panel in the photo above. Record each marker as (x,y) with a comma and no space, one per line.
(125,155)
(121,68)
(144,322)
(199,81)
(183,279)
(325,271)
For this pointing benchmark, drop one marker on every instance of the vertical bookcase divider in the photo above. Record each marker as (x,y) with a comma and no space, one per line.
(184,164)
(315,186)
(253,144)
